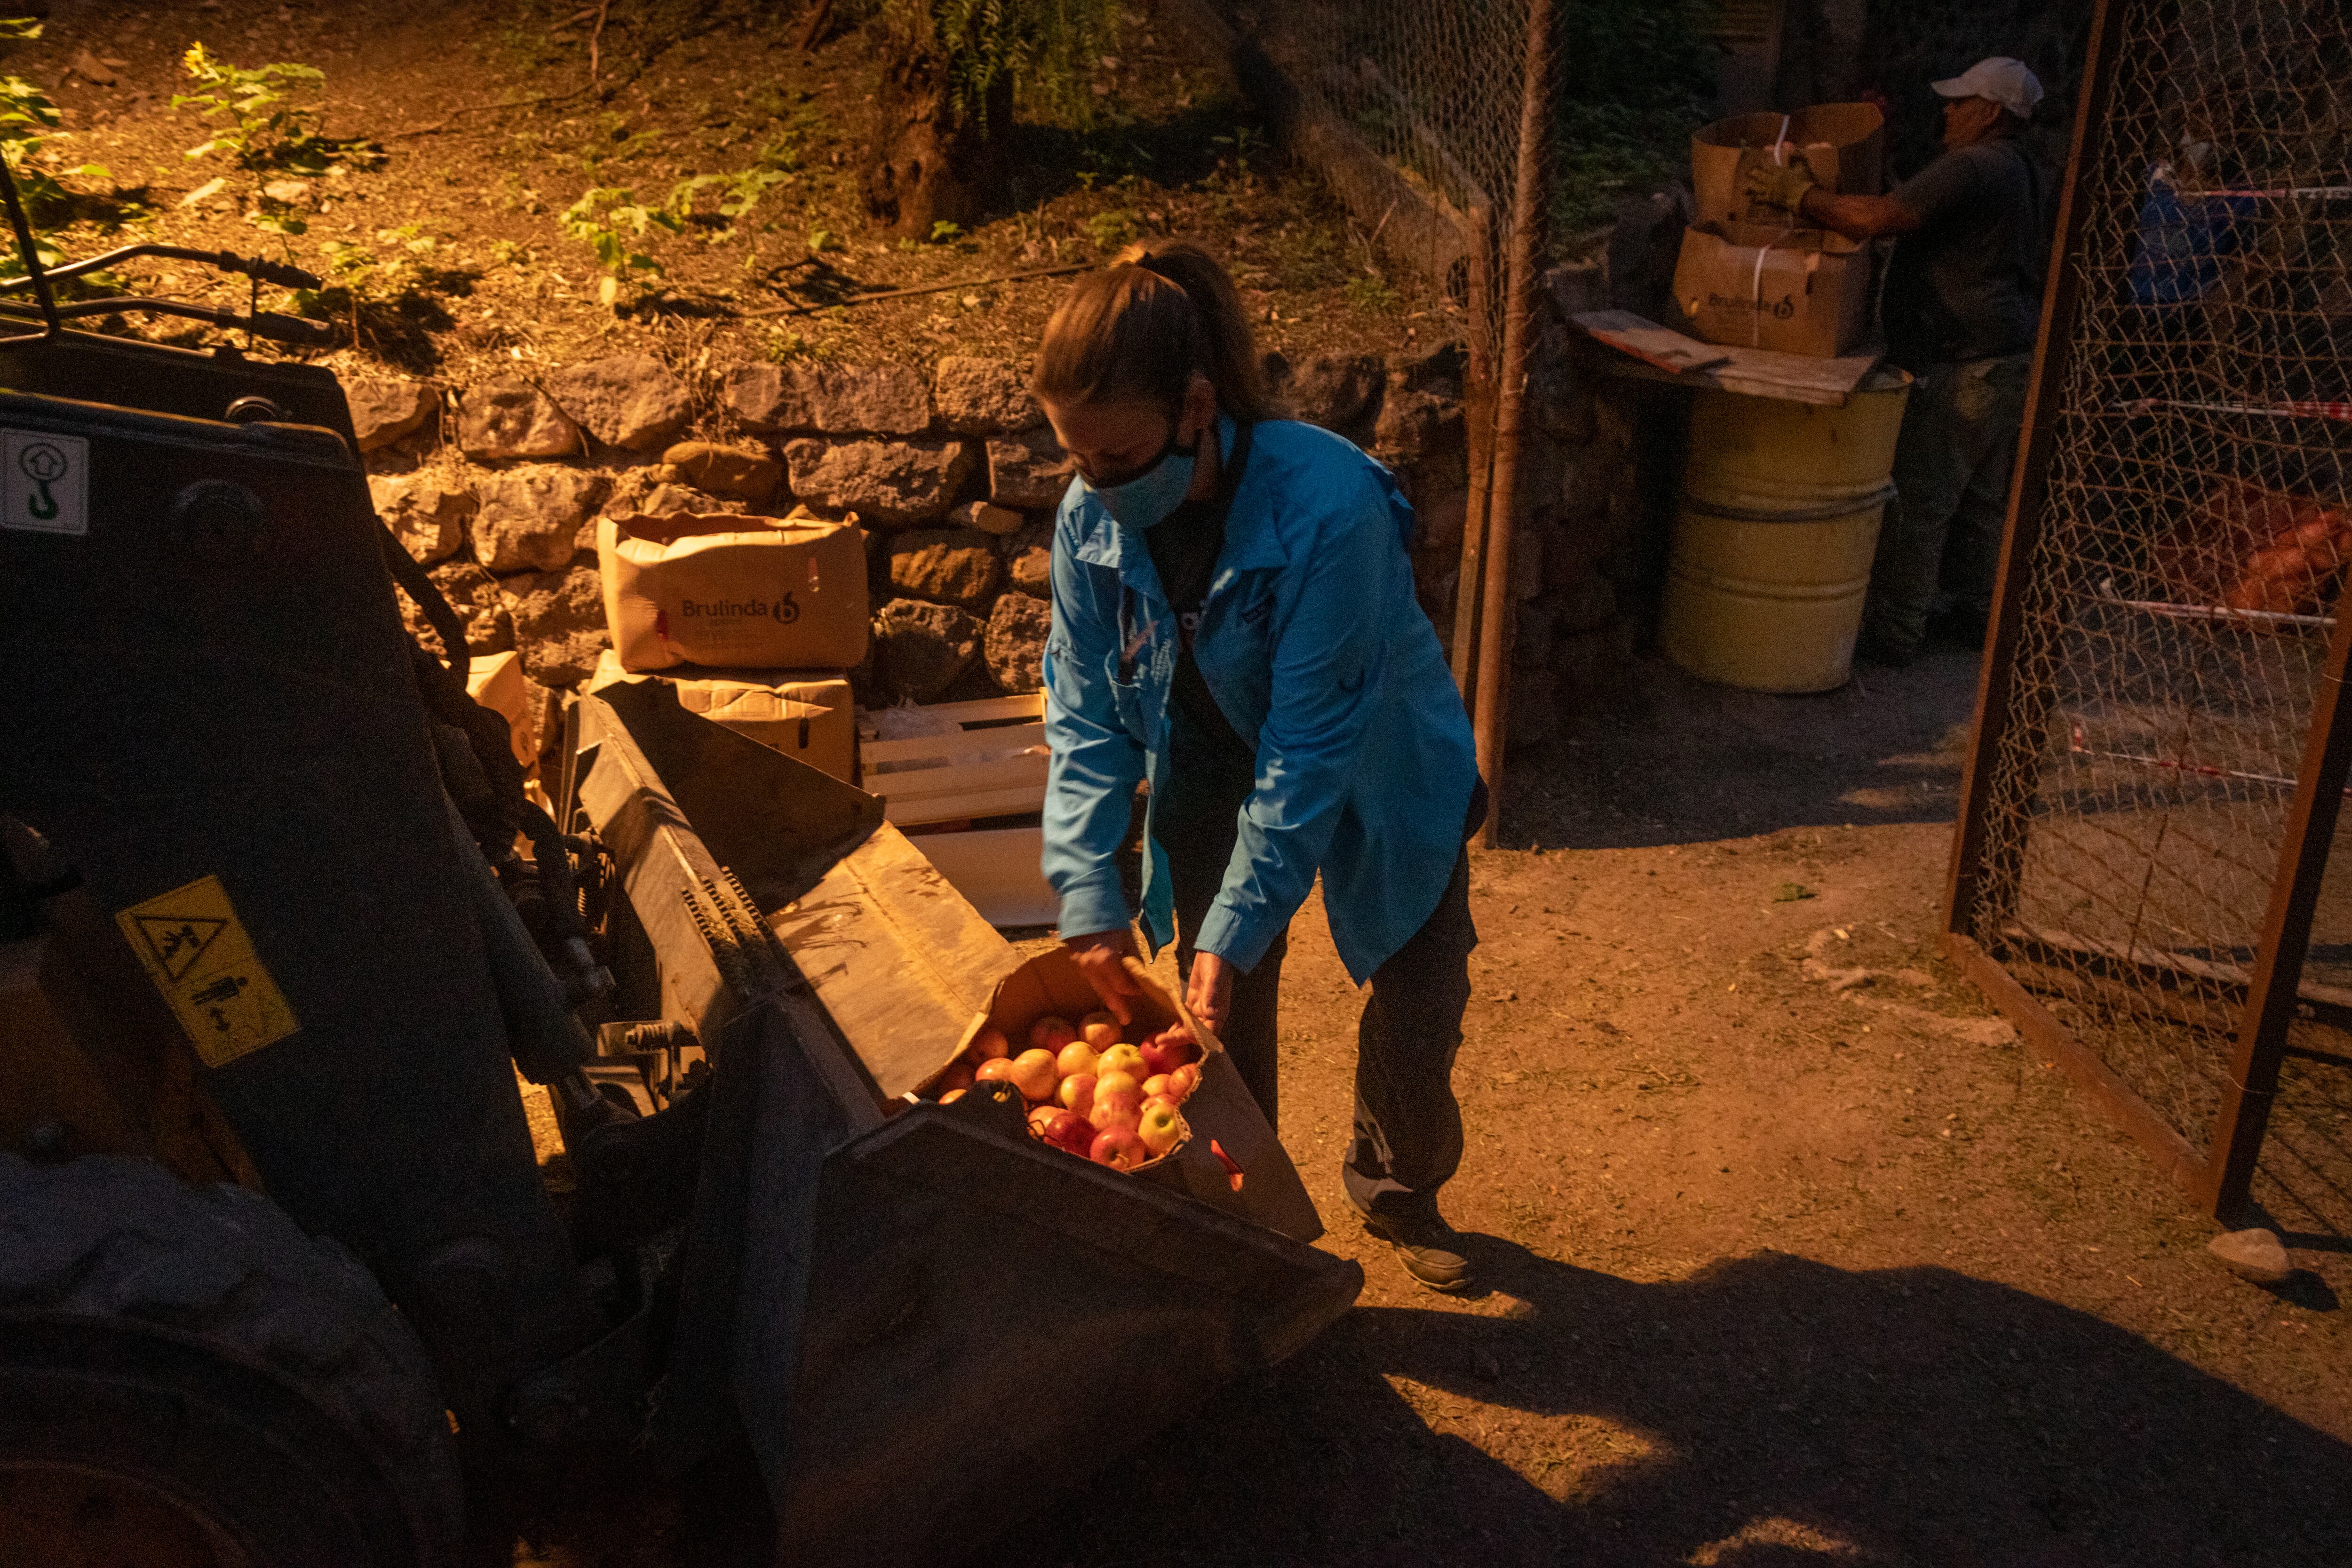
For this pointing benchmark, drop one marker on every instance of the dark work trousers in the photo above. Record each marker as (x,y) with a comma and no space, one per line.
(1408,1138)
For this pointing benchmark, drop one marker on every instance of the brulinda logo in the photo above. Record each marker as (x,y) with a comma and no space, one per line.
(1782,309)
(784,611)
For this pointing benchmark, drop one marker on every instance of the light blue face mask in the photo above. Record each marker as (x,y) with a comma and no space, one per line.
(1151,495)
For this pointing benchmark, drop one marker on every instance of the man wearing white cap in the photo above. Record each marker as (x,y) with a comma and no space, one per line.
(1963,297)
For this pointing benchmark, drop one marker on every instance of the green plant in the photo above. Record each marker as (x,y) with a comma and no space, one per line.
(738,194)
(265,129)
(1111,229)
(821,240)
(610,220)
(1636,79)
(784,344)
(1237,148)
(27,122)
(1043,52)
(1371,291)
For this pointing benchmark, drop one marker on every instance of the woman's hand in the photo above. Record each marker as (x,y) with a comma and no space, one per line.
(1102,960)
(1210,994)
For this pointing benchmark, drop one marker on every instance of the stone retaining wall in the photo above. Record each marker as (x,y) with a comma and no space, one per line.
(496,487)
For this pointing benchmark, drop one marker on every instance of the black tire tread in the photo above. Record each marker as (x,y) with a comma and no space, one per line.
(110,1237)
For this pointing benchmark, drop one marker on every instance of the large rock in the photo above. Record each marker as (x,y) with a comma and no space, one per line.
(473,595)
(838,399)
(648,489)
(945,565)
(1335,391)
(425,511)
(983,396)
(893,482)
(1026,472)
(559,622)
(1015,644)
(502,420)
(988,517)
(630,401)
(1442,522)
(2257,1254)
(386,409)
(1029,561)
(530,517)
(919,649)
(1414,425)
(739,473)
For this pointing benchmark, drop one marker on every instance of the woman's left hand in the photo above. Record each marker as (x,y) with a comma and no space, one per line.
(1210,994)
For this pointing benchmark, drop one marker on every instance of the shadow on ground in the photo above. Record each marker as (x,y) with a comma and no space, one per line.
(1665,758)
(1768,1411)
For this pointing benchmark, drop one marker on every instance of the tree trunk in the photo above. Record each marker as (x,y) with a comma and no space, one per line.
(930,163)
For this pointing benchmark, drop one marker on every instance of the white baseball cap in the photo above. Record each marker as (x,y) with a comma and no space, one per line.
(2007,82)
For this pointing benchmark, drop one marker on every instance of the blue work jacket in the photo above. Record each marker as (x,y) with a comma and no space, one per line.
(1311,640)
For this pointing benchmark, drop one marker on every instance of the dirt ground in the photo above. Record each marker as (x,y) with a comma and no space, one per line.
(439,222)
(1778,1273)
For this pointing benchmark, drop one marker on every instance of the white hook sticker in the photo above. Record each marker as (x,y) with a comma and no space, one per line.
(46,486)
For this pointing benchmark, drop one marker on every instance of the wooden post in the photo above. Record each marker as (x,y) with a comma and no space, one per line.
(1491,713)
(1478,420)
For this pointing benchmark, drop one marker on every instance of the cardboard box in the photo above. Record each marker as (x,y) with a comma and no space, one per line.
(496,680)
(733,591)
(1794,291)
(1844,146)
(1232,1160)
(808,715)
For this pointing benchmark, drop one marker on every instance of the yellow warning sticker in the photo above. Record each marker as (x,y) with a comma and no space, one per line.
(197,952)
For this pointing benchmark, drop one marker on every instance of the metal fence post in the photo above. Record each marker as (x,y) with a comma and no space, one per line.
(2271,995)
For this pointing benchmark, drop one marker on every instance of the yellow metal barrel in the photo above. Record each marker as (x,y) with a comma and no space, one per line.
(1773,541)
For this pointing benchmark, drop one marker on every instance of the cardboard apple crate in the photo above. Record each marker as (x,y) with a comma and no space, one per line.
(994,766)
(1791,290)
(1231,1158)
(1844,145)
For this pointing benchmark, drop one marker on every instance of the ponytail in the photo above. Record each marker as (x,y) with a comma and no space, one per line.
(1141,328)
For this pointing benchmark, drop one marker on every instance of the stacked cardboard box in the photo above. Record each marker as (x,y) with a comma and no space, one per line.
(1753,276)
(755,621)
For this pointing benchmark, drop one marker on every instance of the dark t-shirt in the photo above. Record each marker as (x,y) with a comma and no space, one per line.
(1966,283)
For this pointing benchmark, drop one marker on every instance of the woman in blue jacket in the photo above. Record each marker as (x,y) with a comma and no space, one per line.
(1234,626)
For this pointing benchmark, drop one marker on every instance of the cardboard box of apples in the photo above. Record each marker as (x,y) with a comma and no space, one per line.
(1157,1096)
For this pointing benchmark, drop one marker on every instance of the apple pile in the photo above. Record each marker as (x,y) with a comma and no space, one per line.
(1091,1093)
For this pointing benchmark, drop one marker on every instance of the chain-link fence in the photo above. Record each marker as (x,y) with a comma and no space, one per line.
(2170,604)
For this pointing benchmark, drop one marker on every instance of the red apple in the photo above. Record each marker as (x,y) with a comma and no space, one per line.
(1163,1053)
(1069,1130)
(1117,1107)
(1032,1074)
(1119,1148)
(1075,1058)
(1039,1115)
(995,1069)
(1077,1093)
(1099,1030)
(1051,1033)
(988,1044)
(1108,1082)
(951,1096)
(1160,1126)
(1122,1058)
(958,1076)
(1156,1085)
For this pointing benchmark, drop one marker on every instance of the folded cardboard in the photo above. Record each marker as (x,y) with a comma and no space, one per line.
(733,591)
(496,681)
(1232,1160)
(1844,146)
(808,715)
(1795,291)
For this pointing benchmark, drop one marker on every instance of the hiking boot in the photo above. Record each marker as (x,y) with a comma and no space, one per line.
(1425,1246)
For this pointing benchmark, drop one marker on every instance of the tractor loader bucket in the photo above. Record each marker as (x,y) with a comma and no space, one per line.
(869,1278)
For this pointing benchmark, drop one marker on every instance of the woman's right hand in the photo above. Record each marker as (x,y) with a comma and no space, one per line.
(1102,960)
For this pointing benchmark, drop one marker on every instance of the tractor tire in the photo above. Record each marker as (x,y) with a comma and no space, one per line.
(185,1377)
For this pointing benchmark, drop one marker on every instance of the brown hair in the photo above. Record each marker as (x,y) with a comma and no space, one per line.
(1138,329)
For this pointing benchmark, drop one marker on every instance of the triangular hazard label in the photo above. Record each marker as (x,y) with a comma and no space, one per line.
(178,940)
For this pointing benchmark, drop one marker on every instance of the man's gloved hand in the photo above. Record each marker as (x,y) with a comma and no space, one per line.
(1782,185)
